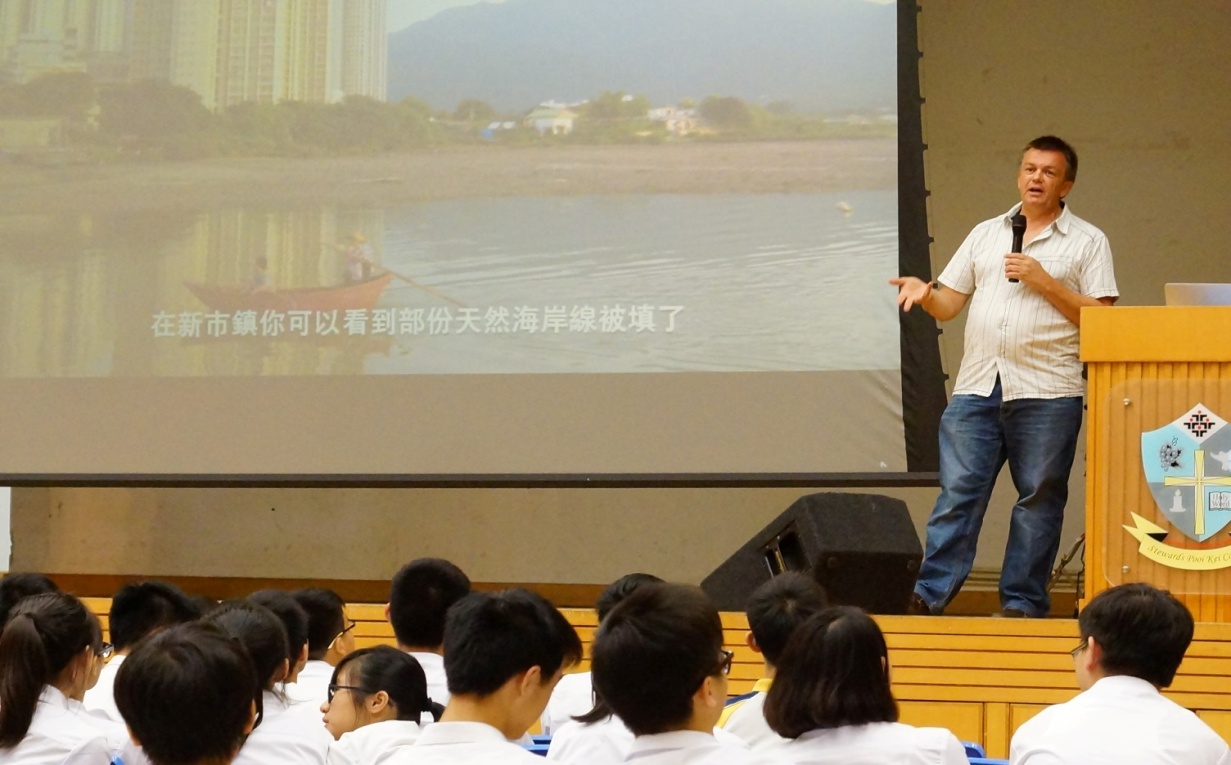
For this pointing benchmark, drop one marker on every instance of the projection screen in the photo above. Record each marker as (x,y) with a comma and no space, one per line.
(529,240)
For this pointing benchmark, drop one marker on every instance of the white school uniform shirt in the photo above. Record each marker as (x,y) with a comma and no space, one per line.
(101,698)
(284,737)
(373,744)
(600,743)
(58,736)
(434,668)
(873,744)
(1118,720)
(572,697)
(1011,330)
(690,747)
(747,722)
(462,743)
(312,685)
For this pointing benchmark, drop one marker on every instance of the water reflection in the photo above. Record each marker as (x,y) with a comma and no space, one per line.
(575,284)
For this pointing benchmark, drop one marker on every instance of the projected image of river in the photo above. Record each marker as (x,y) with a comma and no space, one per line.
(580,284)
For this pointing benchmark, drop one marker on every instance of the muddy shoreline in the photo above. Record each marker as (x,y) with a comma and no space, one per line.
(453,173)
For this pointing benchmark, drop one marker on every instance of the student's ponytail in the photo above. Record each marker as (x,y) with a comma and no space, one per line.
(23,673)
(44,633)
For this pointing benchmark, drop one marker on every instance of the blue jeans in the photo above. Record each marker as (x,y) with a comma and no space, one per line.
(1038,438)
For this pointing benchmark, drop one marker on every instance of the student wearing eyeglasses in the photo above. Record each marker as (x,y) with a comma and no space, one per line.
(331,636)
(659,664)
(50,653)
(137,610)
(831,698)
(375,702)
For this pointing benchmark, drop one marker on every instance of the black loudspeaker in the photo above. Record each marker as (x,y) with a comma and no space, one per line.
(862,548)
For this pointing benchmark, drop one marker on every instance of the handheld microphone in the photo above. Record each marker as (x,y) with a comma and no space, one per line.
(1019,233)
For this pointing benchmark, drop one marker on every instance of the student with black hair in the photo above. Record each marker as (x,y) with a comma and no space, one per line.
(504,653)
(574,696)
(137,610)
(331,636)
(186,694)
(278,737)
(659,664)
(1133,638)
(295,620)
(376,701)
(831,697)
(16,586)
(50,652)
(774,610)
(420,596)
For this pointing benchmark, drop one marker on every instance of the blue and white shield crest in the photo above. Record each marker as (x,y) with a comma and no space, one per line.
(1188,466)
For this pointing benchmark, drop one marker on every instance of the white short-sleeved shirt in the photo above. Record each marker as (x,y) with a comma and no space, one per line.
(59,736)
(373,744)
(572,697)
(748,723)
(872,744)
(101,698)
(1012,331)
(462,743)
(312,684)
(689,747)
(285,737)
(1118,720)
(600,743)
(437,683)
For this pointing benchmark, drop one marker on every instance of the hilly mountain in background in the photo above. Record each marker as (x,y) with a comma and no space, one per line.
(820,55)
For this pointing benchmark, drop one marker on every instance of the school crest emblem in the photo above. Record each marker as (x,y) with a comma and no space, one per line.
(1187,464)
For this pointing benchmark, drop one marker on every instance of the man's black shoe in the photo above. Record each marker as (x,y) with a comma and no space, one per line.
(918,606)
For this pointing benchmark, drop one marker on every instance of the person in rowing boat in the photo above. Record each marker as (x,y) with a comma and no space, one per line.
(260,277)
(358,254)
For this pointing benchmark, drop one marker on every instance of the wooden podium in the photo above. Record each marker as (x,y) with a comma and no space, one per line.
(1149,367)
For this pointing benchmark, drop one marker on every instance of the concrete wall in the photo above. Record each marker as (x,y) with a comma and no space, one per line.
(1138,86)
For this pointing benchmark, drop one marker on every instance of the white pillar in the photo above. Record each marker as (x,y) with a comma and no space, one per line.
(6,531)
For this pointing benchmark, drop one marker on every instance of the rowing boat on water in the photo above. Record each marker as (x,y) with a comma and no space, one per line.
(362,295)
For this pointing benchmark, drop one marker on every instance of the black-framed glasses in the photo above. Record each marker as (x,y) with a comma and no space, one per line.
(350,625)
(1078,649)
(724,667)
(104,650)
(334,688)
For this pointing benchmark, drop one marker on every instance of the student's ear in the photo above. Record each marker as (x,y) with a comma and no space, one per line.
(376,702)
(710,695)
(387,614)
(284,672)
(137,742)
(751,640)
(1093,655)
(531,680)
(248,726)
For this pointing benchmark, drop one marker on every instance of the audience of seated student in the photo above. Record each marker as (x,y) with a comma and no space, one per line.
(375,703)
(1133,638)
(278,737)
(50,652)
(137,610)
(504,653)
(331,636)
(186,694)
(574,696)
(19,585)
(774,610)
(420,596)
(658,663)
(831,696)
(295,620)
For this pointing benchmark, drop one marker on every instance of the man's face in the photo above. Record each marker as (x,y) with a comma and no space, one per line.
(1040,179)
